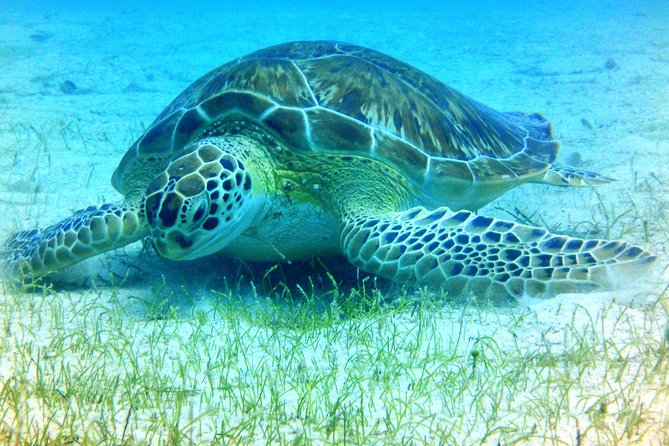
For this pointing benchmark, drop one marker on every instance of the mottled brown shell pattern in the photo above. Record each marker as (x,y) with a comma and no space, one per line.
(340,98)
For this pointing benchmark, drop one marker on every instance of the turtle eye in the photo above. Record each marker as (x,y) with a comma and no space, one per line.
(201,211)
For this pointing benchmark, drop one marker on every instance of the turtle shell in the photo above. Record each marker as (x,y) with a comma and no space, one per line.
(335,97)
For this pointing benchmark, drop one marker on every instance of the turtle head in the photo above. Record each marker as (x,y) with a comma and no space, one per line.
(201,201)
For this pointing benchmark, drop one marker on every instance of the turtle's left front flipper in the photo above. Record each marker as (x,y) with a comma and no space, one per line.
(465,253)
(86,233)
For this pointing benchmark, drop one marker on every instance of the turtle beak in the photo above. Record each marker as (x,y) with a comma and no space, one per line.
(165,242)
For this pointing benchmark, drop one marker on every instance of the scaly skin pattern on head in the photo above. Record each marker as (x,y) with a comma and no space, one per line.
(207,197)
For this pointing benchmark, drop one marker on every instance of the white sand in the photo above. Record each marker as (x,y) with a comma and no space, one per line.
(57,151)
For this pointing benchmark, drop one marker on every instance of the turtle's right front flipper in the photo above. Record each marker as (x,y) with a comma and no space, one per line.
(88,232)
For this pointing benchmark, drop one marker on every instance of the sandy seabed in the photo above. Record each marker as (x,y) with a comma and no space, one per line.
(78,87)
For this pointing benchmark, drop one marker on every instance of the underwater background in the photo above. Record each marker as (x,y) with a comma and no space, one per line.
(127,348)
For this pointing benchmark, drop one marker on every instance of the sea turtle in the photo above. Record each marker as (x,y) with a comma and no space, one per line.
(319,148)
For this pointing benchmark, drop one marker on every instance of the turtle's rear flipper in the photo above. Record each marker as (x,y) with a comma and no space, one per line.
(86,233)
(463,253)
(566,176)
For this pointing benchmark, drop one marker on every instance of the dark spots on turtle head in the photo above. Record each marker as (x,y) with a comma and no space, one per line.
(169,209)
(213,209)
(212,184)
(199,213)
(183,241)
(347,158)
(226,197)
(215,194)
(152,205)
(211,170)
(432,246)
(210,223)
(226,163)
(239,177)
(190,185)
(448,244)
(171,184)
(227,185)
(524,261)
(247,183)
